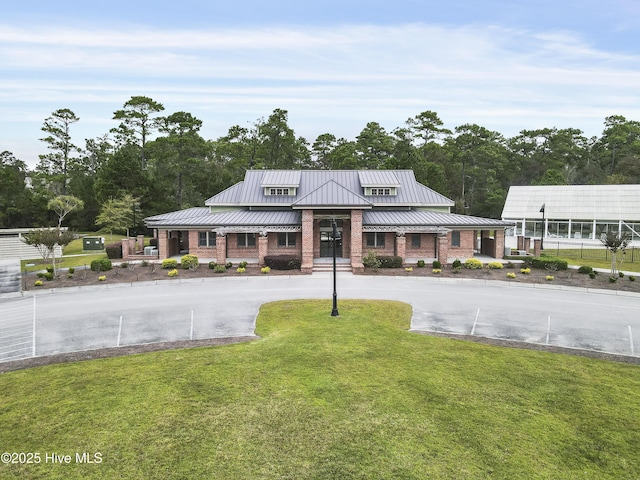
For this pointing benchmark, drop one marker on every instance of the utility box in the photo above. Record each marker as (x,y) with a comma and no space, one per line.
(93,243)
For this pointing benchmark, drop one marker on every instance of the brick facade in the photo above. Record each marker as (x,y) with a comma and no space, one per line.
(427,248)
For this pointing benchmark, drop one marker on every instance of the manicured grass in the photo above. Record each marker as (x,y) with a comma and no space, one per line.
(74,255)
(65,262)
(354,396)
(577,258)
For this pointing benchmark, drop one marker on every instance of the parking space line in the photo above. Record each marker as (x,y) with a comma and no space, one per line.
(119,332)
(548,328)
(631,340)
(475,322)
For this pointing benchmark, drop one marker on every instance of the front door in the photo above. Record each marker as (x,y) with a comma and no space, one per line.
(326,245)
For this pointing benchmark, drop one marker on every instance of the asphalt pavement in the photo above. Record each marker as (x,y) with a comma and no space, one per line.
(86,318)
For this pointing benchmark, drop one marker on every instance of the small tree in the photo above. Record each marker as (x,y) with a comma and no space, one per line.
(46,240)
(63,205)
(116,214)
(615,243)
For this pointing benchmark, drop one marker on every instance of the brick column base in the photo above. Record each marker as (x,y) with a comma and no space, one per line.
(401,247)
(221,249)
(263,248)
(307,241)
(443,248)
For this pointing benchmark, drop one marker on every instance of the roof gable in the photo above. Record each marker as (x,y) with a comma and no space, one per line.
(332,194)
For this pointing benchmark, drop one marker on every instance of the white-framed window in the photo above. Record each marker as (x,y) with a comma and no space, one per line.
(375,239)
(286,239)
(381,191)
(246,239)
(280,191)
(206,239)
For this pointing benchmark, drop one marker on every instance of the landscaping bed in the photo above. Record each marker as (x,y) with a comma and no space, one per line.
(570,278)
(135,272)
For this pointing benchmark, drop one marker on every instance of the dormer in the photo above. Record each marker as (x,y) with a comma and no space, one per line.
(280,183)
(379,182)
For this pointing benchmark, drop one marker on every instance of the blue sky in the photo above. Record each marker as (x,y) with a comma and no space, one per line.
(334,65)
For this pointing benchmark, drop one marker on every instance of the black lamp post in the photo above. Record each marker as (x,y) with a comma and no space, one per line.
(336,237)
(543,229)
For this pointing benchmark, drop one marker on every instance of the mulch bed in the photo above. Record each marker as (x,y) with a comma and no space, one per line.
(137,273)
(570,278)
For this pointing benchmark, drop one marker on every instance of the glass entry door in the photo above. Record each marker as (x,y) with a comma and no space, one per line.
(326,245)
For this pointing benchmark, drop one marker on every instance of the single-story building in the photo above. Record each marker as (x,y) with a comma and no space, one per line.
(274,212)
(573,211)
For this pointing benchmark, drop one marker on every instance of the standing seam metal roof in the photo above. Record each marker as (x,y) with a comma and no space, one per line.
(251,190)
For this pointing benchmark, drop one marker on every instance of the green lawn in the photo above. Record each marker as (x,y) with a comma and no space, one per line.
(594,258)
(321,397)
(74,255)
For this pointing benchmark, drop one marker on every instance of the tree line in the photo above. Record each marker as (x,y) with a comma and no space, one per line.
(156,163)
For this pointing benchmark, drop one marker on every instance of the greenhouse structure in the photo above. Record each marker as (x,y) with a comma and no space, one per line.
(576,212)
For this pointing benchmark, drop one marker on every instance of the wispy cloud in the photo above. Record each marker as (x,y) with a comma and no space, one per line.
(508,79)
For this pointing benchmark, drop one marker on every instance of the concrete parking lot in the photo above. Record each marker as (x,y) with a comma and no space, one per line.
(68,320)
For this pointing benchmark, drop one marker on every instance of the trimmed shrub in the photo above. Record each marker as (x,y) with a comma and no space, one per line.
(228,265)
(371,260)
(241,269)
(456,263)
(49,269)
(592,275)
(549,278)
(585,269)
(37,283)
(495,266)
(101,265)
(282,262)
(421,264)
(613,279)
(102,278)
(436,270)
(41,274)
(69,275)
(173,273)
(632,278)
(473,264)
(48,276)
(390,262)
(219,269)
(114,250)
(511,275)
(189,261)
(621,274)
(72,270)
(243,264)
(546,263)
(169,264)
(436,264)
(265,270)
(212,265)
(525,271)
(408,269)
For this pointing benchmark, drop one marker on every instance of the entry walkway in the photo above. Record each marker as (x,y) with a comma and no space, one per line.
(95,317)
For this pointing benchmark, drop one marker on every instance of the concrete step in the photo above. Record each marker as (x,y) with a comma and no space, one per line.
(328,267)
(10,276)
